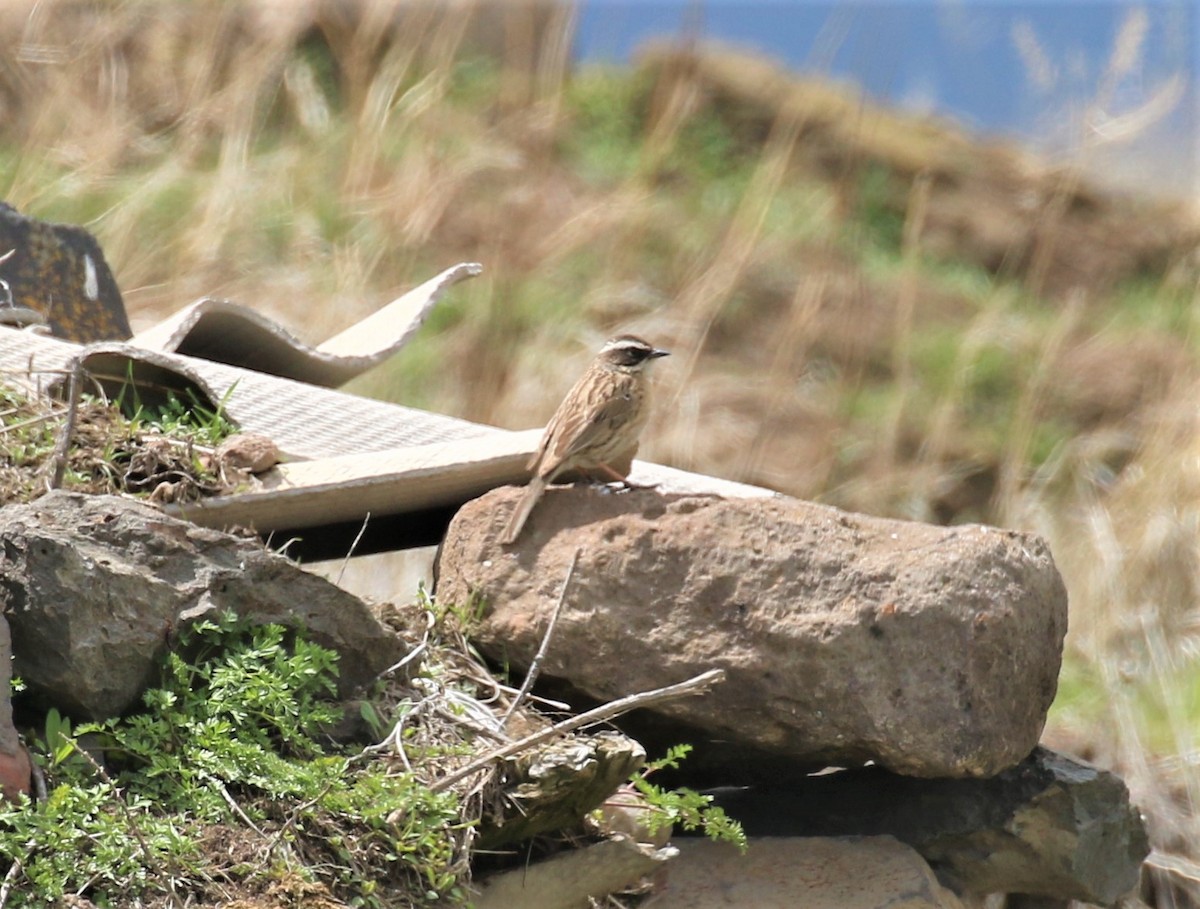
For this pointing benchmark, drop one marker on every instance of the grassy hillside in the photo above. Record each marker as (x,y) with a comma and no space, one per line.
(867,309)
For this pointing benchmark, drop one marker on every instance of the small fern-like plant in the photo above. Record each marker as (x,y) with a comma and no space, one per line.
(683,807)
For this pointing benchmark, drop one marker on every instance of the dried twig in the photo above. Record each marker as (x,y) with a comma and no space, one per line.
(234,806)
(32,421)
(466,705)
(545,702)
(536,666)
(696,685)
(39,783)
(430,621)
(353,547)
(14,871)
(294,816)
(68,428)
(473,724)
(119,798)
(394,740)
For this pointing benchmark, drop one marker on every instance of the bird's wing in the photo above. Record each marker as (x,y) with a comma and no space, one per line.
(582,417)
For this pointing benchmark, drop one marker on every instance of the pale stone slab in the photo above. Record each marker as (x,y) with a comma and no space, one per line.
(816,873)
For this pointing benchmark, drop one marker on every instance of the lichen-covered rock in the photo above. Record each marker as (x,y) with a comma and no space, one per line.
(933,651)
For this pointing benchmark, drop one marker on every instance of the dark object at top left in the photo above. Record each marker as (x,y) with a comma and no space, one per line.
(55,274)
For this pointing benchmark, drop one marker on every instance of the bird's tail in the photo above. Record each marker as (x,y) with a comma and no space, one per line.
(524,508)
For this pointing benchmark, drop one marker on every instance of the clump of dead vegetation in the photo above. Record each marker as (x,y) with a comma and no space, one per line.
(166,454)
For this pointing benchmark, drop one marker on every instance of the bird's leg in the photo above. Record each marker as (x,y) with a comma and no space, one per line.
(626,485)
(600,475)
(583,477)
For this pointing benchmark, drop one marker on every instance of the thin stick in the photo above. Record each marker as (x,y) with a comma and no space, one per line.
(119,798)
(32,421)
(353,547)
(430,619)
(14,871)
(697,685)
(556,705)
(295,815)
(68,428)
(451,717)
(39,784)
(235,807)
(536,666)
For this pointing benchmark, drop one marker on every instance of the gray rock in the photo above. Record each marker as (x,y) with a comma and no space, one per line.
(812,872)
(95,587)
(933,651)
(1050,827)
(574,878)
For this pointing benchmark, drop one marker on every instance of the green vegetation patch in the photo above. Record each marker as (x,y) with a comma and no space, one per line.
(229,751)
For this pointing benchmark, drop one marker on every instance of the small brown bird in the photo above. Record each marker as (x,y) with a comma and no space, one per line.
(598,421)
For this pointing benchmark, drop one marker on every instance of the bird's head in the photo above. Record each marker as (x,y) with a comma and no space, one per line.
(629,353)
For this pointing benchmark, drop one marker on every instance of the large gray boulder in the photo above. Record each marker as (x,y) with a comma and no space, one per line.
(95,588)
(933,651)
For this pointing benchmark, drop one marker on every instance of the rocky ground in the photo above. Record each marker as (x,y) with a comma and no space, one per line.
(871,310)
(818,639)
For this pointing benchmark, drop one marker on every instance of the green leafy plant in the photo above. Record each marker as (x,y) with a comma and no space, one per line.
(29,434)
(232,738)
(123,446)
(82,837)
(685,807)
(58,745)
(190,417)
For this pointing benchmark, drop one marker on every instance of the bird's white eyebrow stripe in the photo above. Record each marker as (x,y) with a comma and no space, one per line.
(626,344)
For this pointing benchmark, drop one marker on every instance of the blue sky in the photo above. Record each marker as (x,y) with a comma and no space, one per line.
(1047,72)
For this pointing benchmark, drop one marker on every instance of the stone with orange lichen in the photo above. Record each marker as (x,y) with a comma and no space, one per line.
(58,271)
(14,759)
(15,771)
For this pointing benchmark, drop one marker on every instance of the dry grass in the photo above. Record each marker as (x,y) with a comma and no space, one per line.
(1128,697)
(881,315)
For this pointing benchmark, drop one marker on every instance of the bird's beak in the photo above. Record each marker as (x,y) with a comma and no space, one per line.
(655,353)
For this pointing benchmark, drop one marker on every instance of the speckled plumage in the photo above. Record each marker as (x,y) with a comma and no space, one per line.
(598,421)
